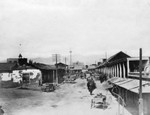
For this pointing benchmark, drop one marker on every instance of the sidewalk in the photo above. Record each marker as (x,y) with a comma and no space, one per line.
(113,108)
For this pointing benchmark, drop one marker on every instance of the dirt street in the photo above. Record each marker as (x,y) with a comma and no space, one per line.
(69,99)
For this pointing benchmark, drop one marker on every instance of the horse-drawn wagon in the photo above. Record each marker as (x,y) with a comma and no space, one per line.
(101,101)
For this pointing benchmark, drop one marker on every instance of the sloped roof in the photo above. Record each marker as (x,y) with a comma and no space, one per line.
(43,66)
(7,67)
(119,55)
(145,89)
(23,67)
(131,84)
(61,64)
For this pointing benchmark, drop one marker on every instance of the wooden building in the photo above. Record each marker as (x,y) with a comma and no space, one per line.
(49,73)
(123,72)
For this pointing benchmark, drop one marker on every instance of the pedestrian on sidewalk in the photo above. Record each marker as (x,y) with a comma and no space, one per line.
(91,85)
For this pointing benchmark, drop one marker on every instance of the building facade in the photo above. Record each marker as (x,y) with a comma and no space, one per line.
(123,72)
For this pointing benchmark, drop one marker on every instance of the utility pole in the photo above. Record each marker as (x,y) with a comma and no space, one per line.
(56,70)
(70,57)
(56,58)
(140,85)
(65,65)
(70,60)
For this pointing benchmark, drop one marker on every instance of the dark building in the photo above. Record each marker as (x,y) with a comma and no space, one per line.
(20,61)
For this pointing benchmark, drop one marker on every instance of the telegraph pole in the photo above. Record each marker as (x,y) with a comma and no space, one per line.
(70,60)
(56,70)
(70,57)
(140,85)
(65,65)
(55,59)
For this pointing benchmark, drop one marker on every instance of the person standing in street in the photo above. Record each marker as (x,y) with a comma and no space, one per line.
(91,85)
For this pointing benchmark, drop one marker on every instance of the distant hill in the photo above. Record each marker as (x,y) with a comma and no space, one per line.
(43,60)
(90,59)
(86,59)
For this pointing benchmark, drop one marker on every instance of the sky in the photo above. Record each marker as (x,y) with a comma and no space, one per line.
(86,27)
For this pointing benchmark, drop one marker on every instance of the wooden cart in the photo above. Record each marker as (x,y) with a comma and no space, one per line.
(48,87)
(99,100)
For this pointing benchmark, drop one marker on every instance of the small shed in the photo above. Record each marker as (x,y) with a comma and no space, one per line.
(48,72)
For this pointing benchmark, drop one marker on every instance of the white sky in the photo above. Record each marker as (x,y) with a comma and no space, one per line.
(87,27)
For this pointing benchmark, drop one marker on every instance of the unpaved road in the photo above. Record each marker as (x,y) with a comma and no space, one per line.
(69,99)
(21,102)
